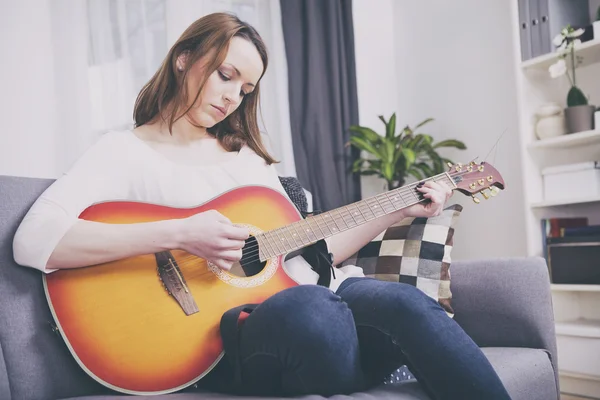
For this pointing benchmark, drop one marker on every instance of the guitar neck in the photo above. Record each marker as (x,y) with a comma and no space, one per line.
(302,233)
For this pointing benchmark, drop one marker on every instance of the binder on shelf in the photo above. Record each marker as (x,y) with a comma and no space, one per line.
(541,20)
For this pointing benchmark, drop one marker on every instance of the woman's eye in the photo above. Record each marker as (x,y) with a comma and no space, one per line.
(224,77)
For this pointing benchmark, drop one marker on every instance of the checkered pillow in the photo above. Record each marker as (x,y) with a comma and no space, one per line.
(415,251)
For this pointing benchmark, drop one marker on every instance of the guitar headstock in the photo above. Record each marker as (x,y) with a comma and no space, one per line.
(476,178)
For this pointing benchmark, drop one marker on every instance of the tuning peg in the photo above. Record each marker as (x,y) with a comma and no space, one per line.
(485,194)
(475,199)
(449,164)
(494,191)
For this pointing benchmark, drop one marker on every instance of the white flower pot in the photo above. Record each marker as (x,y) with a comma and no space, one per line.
(596,26)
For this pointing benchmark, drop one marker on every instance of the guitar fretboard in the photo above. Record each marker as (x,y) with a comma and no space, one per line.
(314,228)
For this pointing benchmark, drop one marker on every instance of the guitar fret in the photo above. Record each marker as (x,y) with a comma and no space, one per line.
(324,219)
(321,221)
(367,207)
(343,214)
(288,238)
(316,222)
(264,245)
(329,223)
(297,236)
(390,201)
(339,229)
(387,203)
(357,206)
(376,206)
(294,238)
(271,239)
(353,220)
(309,230)
(402,194)
(281,240)
(356,214)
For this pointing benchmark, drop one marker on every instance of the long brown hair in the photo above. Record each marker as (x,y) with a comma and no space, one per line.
(166,93)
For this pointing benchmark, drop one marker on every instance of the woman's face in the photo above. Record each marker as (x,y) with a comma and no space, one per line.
(226,86)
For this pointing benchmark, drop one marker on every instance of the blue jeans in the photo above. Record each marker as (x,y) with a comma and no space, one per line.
(309,340)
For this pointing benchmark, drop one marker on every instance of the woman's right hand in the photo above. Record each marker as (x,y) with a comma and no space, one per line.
(212,236)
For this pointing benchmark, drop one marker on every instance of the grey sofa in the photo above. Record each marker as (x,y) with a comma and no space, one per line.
(504,304)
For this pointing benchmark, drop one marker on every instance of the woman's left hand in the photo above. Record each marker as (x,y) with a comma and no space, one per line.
(437,192)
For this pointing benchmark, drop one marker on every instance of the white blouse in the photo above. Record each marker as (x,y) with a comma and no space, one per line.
(120,166)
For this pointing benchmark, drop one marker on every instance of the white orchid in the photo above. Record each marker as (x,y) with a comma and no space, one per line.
(575,34)
(558,40)
(558,69)
(566,42)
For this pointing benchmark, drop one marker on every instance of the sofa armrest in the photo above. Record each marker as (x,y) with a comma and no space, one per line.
(505,303)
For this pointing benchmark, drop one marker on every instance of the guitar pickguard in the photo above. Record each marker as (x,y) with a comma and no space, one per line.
(174,282)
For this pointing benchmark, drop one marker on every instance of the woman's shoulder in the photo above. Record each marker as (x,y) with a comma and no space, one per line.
(107,148)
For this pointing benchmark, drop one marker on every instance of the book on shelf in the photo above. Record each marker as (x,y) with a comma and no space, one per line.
(555,228)
(572,249)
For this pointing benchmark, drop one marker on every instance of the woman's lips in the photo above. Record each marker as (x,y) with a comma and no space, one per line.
(221,110)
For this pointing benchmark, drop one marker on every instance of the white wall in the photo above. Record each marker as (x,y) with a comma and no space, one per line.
(375,69)
(452,61)
(456,64)
(27,112)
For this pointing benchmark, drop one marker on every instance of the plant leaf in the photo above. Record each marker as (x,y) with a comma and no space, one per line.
(416,173)
(366,133)
(409,156)
(438,164)
(390,131)
(426,121)
(388,172)
(450,143)
(364,145)
(427,171)
(357,164)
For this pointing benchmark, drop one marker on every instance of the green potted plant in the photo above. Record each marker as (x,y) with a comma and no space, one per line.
(394,156)
(579,114)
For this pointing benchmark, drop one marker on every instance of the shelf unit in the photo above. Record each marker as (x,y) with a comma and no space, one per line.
(566,202)
(574,288)
(580,328)
(589,51)
(577,314)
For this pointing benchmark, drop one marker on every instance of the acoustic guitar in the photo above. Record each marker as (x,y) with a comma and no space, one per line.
(150,324)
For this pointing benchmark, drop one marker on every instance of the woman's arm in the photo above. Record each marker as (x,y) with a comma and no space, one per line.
(209,235)
(51,236)
(345,244)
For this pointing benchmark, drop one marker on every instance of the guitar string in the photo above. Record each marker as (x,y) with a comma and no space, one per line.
(406,190)
(253,249)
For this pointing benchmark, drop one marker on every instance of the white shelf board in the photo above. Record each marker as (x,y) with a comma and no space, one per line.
(590,51)
(580,327)
(567,141)
(558,287)
(572,201)
(567,149)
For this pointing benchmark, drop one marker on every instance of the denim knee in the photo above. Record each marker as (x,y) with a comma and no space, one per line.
(311,331)
(308,316)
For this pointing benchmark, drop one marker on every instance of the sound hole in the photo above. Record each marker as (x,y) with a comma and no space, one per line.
(250,264)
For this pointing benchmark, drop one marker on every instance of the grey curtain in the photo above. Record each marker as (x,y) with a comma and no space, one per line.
(319,44)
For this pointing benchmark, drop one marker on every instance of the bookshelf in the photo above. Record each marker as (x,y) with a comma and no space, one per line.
(577,315)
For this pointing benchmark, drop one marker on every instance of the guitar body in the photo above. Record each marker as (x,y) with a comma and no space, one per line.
(128,332)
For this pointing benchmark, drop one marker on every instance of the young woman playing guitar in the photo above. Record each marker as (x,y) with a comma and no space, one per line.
(196,137)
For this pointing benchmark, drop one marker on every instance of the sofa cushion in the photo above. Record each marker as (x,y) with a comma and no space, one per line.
(416,251)
(527,374)
(39,364)
(4,386)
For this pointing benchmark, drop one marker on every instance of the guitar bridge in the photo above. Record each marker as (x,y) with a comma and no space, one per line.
(174,282)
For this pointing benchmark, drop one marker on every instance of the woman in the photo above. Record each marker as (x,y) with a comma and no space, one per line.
(196,136)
